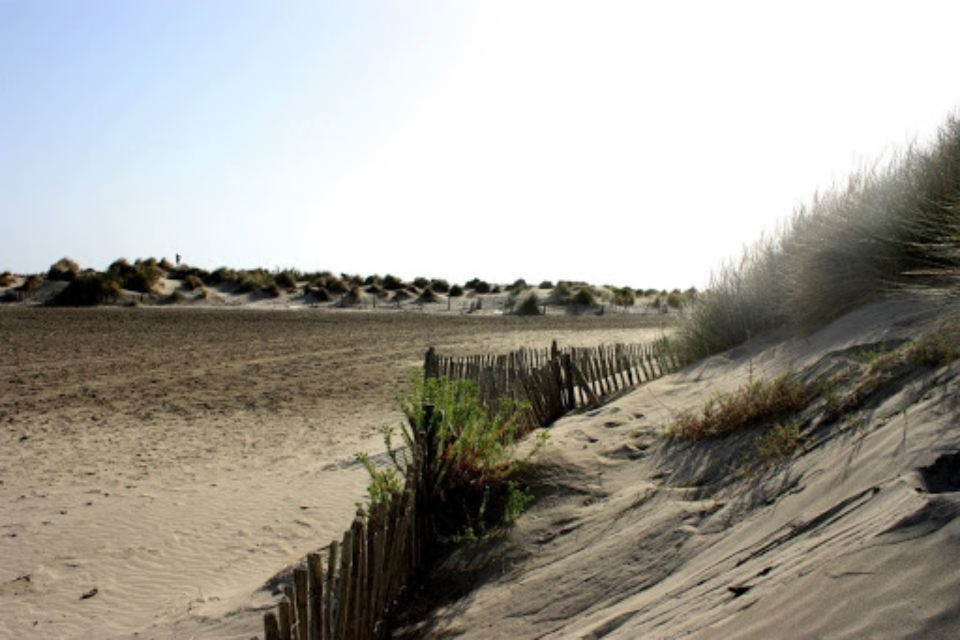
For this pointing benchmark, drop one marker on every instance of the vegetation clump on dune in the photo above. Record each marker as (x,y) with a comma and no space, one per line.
(89,289)
(471,481)
(63,269)
(888,230)
(752,404)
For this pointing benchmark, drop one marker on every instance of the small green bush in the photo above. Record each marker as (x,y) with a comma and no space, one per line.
(31,284)
(471,480)
(421,283)
(546,284)
(222,275)
(479,286)
(193,282)
(273,290)
(624,297)
(752,404)
(353,297)
(64,269)
(89,290)
(456,291)
(176,298)
(7,279)
(530,306)
(562,294)
(392,283)
(779,443)
(585,297)
(440,286)
(288,280)
(337,285)
(253,280)
(142,278)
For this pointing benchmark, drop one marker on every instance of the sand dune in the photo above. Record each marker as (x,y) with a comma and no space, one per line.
(635,537)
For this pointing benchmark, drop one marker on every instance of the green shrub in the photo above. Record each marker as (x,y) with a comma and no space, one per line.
(273,290)
(176,298)
(421,283)
(585,297)
(470,480)
(31,284)
(142,277)
(89,290)
(936,347)
(392,283)
(562,294)
(321,294)
(222,275)
(546,284)
(337,285)
(440,286)
(287,279)
(253,280)
(353,297)
(624,297)
(530,306)
(456,291)
(674,300)
(479,286)
(64,269)
(428,296)
(519,286)
(780,442)
(749,406)
(192,282)
(7,279)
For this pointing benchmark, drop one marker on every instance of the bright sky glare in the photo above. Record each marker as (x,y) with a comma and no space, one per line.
(629,143)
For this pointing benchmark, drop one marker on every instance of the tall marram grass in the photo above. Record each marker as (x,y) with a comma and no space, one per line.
(891,229)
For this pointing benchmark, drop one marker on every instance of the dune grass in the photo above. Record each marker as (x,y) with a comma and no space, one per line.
(471,481)
(753,404)
(891,229)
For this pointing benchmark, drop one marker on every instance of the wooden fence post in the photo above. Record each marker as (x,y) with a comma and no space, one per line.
(315,591)
(271,629)
(300,603)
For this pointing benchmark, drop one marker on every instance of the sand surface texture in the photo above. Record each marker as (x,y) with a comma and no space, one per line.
(159,466)
(857,536)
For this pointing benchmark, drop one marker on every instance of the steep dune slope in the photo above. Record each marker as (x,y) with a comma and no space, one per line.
(632,535)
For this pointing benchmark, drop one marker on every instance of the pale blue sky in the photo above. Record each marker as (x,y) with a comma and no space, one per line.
(628,143)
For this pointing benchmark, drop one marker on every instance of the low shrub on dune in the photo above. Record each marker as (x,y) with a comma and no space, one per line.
(64,269)
(88,290)
(530,306)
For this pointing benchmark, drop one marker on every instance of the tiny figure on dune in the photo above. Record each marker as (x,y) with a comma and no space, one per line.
(178,259)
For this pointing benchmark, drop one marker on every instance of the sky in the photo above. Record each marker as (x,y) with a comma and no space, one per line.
(627,143)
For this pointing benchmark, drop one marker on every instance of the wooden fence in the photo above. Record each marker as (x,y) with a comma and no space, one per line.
(351,594)
(556,381)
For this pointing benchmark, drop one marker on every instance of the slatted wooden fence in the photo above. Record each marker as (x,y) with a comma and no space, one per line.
(556,381)
(351,594)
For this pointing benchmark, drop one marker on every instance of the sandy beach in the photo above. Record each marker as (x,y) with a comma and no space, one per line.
(159,466)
